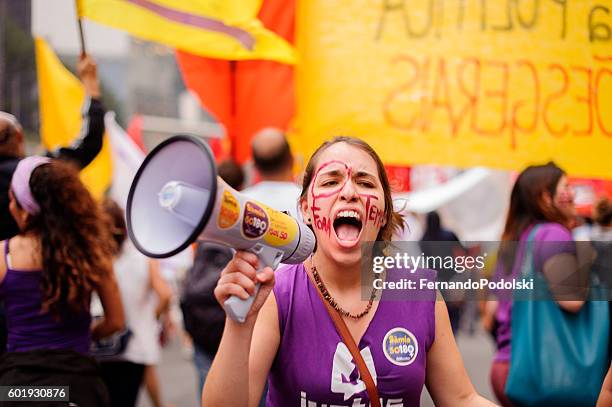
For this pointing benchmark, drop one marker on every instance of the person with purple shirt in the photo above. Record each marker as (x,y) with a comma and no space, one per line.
(47,274)
(541,196)
(289,338)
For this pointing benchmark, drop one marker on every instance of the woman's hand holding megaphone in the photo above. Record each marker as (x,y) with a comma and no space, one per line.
(240,277)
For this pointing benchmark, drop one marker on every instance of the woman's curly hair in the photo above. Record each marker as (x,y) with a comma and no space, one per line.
(76,243)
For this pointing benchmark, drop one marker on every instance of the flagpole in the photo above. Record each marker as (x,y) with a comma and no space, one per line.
(80,25)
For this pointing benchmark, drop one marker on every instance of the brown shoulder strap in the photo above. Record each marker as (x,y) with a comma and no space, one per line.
(352,346)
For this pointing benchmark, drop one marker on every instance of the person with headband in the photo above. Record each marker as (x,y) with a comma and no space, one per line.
(48,272)
(81,153)
(293,336)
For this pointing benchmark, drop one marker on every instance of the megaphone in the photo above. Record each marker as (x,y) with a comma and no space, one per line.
(177,198)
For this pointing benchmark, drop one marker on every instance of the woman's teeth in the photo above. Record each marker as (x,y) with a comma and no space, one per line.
(348,214)
(347,225)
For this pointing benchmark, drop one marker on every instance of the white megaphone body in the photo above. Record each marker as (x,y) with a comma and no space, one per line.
(176,198)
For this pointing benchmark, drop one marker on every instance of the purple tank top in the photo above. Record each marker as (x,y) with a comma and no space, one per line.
(313,367)
(28,327)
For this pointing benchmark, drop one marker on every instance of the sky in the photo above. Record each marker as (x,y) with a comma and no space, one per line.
(55,21)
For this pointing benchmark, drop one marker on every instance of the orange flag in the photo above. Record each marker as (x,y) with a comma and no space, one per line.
(246,96)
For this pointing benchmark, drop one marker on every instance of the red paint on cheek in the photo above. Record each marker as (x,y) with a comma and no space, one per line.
(376,216)
(373,213)
(324,224)
(321,223)
(367,204)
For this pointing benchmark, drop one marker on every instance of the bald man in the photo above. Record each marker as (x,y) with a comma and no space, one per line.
(82,152)
(273,162)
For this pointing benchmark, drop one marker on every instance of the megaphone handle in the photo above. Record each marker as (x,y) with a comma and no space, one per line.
(237,308)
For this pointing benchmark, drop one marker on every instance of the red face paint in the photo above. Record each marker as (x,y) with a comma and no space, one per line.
(329,181)
(330,193)
(319,222)
(373,213)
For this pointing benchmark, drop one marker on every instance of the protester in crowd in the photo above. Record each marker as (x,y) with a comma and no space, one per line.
(602,243)
(81,153)
(432,247)
(166,325)
(602,215)
(12,149)
(273,161)
(289,338)
(145,296)
(172,271)
(203,317)
(47,275)
(434,232)
(601,237)
(542,198)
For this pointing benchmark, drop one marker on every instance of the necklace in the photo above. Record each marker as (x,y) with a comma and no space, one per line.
(327,296)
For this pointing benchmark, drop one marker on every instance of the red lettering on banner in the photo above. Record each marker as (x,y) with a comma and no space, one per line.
(598,91)
(423,99)
(515,127)
(453,93)
(397,93)
(588,100)
(472,97)
(500,93)
(556,95)
(441,98)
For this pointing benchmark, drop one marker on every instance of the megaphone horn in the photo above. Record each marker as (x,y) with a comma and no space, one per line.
(176,198)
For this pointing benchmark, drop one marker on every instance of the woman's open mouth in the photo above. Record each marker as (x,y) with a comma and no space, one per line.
(347,227)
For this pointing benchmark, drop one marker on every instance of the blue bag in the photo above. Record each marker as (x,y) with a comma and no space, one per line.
(558,359)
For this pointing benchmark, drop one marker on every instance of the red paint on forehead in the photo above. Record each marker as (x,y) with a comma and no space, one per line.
(335,191)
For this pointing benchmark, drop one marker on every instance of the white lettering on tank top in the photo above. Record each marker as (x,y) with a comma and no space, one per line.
(342,368)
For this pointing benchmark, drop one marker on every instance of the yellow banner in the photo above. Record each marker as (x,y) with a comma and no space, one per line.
(227,29)
(502,83)
(61,97)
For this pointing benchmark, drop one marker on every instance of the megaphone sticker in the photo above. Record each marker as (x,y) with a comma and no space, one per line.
(255,221)
(229,213)
(280,231)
